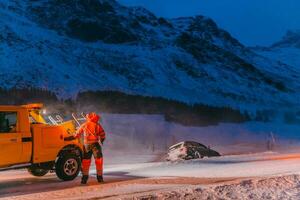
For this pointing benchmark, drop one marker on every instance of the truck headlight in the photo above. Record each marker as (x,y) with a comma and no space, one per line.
(44,111)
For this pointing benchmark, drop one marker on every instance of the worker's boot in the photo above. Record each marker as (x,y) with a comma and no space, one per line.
(100,179)
(84,179)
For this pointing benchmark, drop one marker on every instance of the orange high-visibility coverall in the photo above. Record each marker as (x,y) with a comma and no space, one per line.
(93,133)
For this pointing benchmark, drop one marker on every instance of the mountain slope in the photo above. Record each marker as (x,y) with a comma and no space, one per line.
(80,45)
(287,50)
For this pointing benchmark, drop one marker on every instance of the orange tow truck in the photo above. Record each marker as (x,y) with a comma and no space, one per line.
(28,141)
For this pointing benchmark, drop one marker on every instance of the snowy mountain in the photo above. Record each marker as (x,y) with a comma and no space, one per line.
(285,51)
(88,45)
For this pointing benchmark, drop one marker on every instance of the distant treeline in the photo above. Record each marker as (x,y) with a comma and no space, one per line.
(118,102)
(190,115)
(22,96)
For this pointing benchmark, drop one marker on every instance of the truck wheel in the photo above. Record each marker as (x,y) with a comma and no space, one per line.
(67,167)
(36,171)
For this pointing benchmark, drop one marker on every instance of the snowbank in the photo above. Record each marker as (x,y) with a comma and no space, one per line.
(279,188)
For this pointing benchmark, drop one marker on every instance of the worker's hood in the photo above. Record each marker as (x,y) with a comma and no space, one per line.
(93,117)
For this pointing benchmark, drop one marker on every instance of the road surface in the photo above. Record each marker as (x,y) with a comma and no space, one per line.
(126,180)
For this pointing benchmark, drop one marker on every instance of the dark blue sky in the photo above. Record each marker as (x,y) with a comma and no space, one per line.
(253,22)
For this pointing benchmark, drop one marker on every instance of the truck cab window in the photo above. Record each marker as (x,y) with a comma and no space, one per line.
(8,122)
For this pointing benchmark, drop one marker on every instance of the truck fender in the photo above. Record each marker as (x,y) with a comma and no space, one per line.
(70,149)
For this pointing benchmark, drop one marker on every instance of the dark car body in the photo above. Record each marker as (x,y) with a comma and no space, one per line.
(190,150)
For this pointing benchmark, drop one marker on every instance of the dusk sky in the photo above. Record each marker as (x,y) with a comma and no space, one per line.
(253,22)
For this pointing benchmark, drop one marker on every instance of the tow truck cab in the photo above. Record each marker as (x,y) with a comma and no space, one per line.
(26,140)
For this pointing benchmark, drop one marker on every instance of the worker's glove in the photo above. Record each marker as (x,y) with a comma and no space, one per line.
(102,141)
(70,138)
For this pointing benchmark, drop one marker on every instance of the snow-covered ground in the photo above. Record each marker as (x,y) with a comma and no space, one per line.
(254,176)
(220,167)
(152,135)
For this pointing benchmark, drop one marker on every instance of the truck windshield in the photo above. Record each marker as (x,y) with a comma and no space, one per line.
(36,117)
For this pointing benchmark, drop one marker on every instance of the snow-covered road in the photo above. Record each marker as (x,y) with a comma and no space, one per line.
(136,179)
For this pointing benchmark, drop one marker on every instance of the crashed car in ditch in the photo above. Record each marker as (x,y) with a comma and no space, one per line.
(190,150)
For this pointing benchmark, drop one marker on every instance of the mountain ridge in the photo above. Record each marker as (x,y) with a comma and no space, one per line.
(71,46)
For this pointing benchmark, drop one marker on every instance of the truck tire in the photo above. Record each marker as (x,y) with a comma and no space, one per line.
(67,166)
(36,171)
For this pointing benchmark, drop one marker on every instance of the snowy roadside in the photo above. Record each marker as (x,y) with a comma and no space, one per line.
(246,165)
(277,188)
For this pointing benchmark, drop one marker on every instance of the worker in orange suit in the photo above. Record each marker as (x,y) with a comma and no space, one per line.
(93,134)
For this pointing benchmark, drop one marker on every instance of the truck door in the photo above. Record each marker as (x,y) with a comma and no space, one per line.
(10,138)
